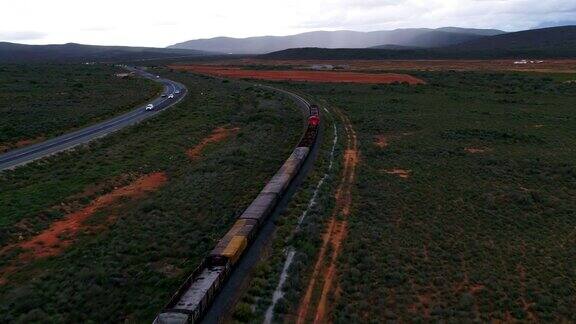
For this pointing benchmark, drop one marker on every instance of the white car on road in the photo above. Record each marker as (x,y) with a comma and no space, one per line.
(171,96)
(150,107)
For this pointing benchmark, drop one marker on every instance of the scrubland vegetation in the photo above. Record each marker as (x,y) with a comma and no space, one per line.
(132,255)
(464,205)
(304,240)
(44,100)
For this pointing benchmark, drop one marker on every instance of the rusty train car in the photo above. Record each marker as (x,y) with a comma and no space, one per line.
(192,300)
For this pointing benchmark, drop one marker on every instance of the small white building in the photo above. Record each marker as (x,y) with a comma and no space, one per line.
(528,62)
(322,67)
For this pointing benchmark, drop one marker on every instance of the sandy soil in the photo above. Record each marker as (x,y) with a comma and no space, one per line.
(300,75)
(384,140)
(476,150)
(381,141)
(62,233)
(402,173)
(219,134)
(325,267)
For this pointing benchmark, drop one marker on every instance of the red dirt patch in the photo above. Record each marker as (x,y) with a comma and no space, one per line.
(476,150)
(299,75)
(402,173)
(474,289)
(26,142)
(61,233)
(381,141)
(219,134)
(21,143)
(50,242)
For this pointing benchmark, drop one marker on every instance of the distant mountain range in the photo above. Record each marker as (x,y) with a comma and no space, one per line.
(412,37)
(556,42)
(449,43)
(71,52)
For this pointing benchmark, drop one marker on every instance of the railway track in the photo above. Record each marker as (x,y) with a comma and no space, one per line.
(210,291)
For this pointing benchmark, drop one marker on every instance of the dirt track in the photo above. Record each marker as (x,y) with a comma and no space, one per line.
(325,266)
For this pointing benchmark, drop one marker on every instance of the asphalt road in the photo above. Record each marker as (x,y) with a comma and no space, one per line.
(241,275)
(67,141)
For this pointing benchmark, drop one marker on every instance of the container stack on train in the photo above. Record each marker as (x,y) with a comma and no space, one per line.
(191,301)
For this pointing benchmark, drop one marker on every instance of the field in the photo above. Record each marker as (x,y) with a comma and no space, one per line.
(461,209)
(450,199)
(552,65)
(107,232)
(298,75)
(39,101)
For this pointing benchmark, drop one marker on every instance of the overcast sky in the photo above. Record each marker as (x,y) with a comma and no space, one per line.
(162,23)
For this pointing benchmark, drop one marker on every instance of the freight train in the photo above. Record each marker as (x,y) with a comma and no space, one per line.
(191,301)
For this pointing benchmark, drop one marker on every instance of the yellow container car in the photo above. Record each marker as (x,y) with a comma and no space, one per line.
(235,247)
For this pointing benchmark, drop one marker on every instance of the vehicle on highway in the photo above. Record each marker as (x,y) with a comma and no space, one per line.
(164,95)
(171,96)
(177,92)
(149,107)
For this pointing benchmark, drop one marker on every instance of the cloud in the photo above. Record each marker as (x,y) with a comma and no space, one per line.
(143,23)
(388,14)
(97,29)
(21,35)
(556,23)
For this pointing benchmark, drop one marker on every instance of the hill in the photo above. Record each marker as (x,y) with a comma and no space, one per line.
(71,52)
(314,53)
(412,37)
(548,41)
(439,38)
(394,47)
(557,42)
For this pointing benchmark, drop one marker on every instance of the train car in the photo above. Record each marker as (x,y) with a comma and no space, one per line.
(232,245)
(195,296)
(261,207)
(289,169)
(313,121)
(314,110)
(309,137)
